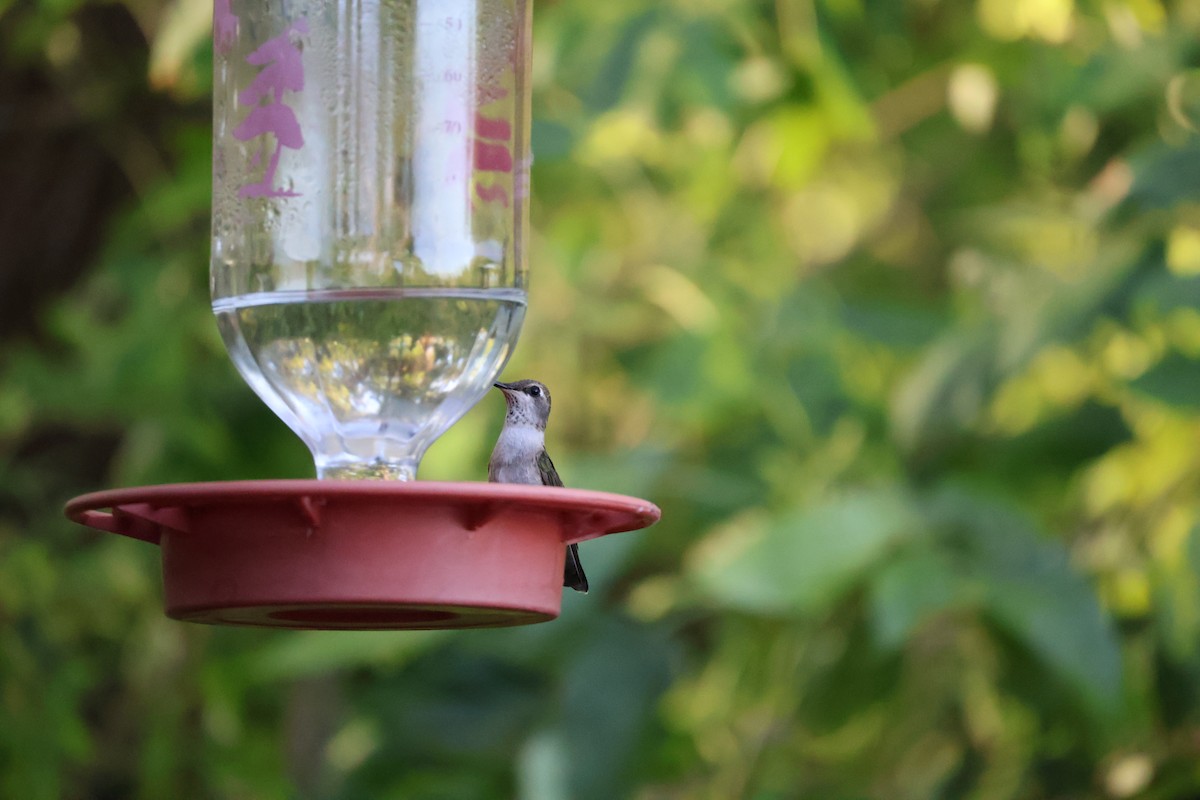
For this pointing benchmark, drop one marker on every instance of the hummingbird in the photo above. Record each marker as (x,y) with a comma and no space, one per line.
(520,454)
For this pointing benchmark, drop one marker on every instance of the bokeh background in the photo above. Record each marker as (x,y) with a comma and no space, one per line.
(892,305)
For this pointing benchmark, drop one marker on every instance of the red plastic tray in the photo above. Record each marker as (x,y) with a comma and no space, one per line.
(355,555)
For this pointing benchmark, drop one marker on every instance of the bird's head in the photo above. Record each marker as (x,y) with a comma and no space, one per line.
(528,403)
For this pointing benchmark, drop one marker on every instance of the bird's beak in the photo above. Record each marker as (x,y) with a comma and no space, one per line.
(504,387)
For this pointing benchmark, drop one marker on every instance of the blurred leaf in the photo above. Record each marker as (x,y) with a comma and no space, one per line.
(1165,292)
(609,693)
(1165,175)
(908,589)
(609,84)
(817,384)
(550,141)
(701,75)
(186,26)
(305,653)
(943,397)
(859,680)
(633,472)
(470,708)
(895,326)
(945,393)
(1031,590)
(805,560)
(1062,443)
(1175,380)
(543,768)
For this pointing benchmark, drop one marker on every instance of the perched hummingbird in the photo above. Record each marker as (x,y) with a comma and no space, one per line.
(520,455)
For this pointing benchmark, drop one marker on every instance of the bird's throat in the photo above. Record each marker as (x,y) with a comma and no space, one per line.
(519,442)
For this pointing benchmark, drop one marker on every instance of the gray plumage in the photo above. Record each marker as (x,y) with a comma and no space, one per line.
(520,454)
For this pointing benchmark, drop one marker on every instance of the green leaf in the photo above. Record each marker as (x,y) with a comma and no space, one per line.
(945,393)
(609,693)
(307,653)
(1165,175)
(806,560)
(609,83)
(550,141)
(908,589)
(1175,380)
(1166,292)
(1031,590)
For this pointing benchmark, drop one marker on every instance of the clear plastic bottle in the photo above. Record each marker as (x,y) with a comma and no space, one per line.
(370,173)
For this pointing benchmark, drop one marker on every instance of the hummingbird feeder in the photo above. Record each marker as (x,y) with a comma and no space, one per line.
(368,274)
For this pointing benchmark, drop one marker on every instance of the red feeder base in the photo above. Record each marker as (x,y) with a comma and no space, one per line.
(361,555)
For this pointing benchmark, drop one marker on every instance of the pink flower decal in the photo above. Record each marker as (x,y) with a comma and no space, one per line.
(283,71)
(492,156)
(225,26)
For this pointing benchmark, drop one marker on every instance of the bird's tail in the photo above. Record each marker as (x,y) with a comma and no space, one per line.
(573,577)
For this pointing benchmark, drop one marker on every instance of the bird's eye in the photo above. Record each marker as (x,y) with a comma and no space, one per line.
(534,391)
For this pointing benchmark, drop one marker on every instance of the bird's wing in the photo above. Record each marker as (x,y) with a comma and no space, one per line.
(547,471)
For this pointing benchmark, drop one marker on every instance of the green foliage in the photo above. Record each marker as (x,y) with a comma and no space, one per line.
(893,307)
